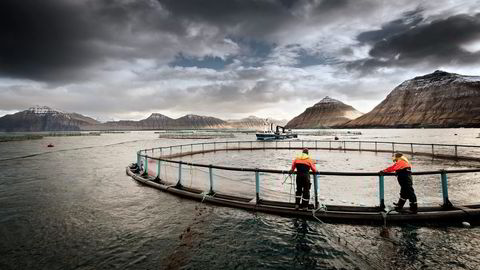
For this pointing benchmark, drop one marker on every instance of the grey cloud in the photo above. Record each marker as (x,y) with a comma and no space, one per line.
(58,41)
(433,43)
(40,35)
(63,41)
(107,56)
(409,20)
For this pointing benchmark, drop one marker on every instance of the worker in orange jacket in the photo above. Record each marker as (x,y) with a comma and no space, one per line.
(303,163)
(403,170)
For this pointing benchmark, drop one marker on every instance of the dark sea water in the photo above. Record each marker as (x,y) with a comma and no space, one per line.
(73,207)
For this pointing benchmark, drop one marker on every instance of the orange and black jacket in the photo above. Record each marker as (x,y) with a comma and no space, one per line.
(303,164)
(400,164)
(401,167)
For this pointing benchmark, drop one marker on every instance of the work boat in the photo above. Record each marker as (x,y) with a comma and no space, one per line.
(270,134)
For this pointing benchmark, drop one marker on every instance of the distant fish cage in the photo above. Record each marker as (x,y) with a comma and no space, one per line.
(67,134)
(194,135)
(327,133)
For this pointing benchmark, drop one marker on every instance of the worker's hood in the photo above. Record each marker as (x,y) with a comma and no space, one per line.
(303,156)
(400,158)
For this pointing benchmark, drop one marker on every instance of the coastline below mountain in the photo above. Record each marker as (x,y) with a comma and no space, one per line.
(327,113)
(436,100)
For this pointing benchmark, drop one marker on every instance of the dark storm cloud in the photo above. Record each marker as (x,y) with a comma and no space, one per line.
(63,41)
(107,56)
(254,15)
(55,40)
(410,42)
(40,35)
(409,20)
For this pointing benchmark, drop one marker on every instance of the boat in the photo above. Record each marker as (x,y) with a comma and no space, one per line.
(50,145)
(280,133)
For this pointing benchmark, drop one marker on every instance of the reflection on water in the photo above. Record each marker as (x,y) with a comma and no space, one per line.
(76,209)
(303,257)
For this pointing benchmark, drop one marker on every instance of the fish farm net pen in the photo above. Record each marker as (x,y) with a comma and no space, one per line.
(441,151)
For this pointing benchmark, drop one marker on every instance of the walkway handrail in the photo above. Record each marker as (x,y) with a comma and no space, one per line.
(228,168)
(323,141)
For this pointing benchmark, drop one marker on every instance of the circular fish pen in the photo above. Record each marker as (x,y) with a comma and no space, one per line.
(200,171)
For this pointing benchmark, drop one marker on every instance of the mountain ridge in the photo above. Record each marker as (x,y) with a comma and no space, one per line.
(59,121)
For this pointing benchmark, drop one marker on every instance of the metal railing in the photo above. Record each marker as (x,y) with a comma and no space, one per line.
(167,154)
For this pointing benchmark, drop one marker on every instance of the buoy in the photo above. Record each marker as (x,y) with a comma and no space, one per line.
(466,224)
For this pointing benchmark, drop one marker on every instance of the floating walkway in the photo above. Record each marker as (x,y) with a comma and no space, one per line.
(447,212)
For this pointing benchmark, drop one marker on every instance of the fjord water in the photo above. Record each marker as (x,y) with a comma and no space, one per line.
(73,207)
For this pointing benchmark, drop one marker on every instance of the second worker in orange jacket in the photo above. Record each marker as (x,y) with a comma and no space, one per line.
(403,170)
(303,164)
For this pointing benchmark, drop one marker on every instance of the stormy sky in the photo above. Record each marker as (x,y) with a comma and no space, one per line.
(124,59)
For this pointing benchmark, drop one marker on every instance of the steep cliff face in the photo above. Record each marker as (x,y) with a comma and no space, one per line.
(253,123)
(439,99)
(327,113)
(44,119)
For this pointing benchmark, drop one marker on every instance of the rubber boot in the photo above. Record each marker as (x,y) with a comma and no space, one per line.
(304,205)
(298,199)
(413,207)
(399,205)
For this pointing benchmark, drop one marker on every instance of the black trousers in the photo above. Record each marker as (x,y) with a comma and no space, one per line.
(406,187)
(302,194)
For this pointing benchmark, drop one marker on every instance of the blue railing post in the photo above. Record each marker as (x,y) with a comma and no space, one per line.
(210,172)
(446,201)
(138,159)
(257,185)
(315,189)
(158,168)
(146,164)
(381,191)
(179,183)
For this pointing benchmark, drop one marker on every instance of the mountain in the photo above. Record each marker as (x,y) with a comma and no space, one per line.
(44,119)
(47,119)
(327,113)
(154,121)
(196,121)
(439,99)
(253,122)
(160,121)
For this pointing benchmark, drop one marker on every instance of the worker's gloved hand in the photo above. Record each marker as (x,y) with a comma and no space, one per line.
(290,172)
(381,173)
